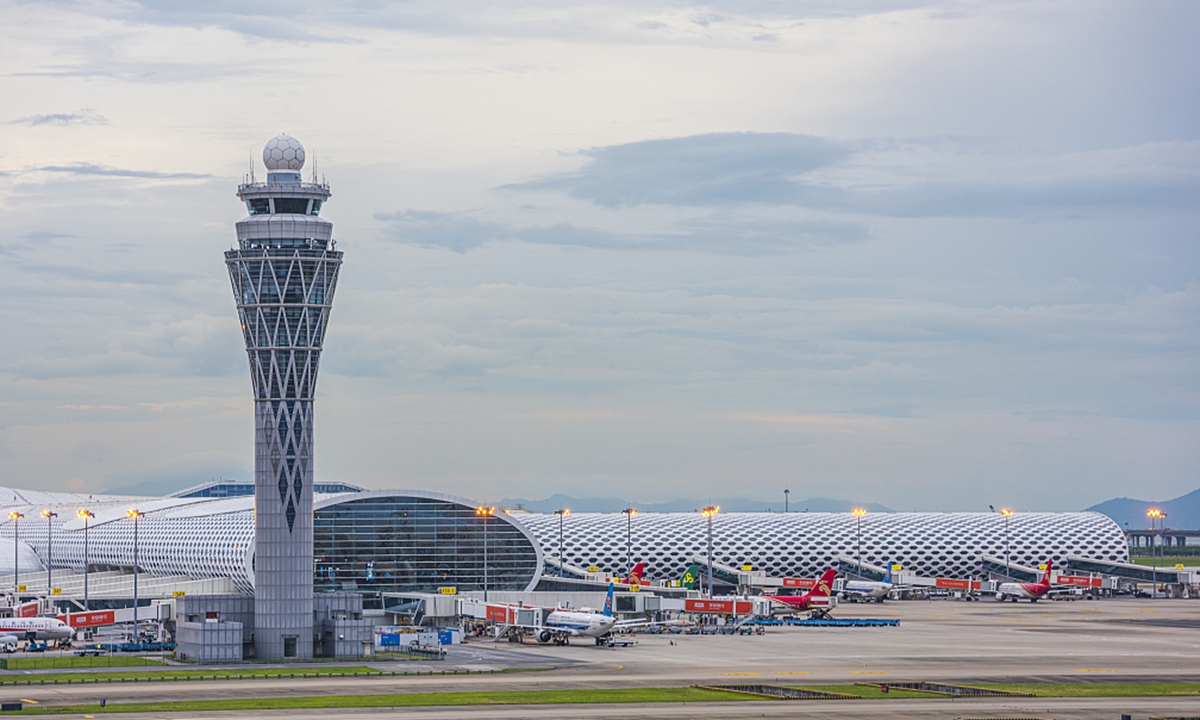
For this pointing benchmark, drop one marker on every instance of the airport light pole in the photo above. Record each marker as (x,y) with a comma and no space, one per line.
(629,513)
(86,515)
(16,518)
(562,513)
(858,514)
(49,515)
(710,512)
(485,513)
(1154,514)
(135,515)
(1007,514)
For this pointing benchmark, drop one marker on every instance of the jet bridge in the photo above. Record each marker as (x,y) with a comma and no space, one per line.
(1020,573)
(849,566)
(1128,571)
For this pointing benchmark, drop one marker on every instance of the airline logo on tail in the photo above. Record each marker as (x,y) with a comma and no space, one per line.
(1046,578)
(635,576)
(691,576)
(804,602)
(608,601)
(824,585)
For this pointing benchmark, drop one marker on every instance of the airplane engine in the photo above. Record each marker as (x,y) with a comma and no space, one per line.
(544,636)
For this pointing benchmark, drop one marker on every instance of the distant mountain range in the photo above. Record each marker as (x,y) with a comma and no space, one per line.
(556,502)
(1183,513)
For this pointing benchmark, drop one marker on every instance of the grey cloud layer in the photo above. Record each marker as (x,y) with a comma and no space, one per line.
(780,168)
(86,116)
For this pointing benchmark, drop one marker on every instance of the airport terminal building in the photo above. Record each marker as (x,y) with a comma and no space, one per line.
(385,541)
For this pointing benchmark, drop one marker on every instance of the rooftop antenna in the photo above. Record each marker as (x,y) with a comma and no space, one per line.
(252,166)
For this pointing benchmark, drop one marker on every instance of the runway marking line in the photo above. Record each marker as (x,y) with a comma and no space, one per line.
(31,702)
(741,674)
(794,672)
(870,672)
(1095,670)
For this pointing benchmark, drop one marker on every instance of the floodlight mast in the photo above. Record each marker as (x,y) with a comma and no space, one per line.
(709,513)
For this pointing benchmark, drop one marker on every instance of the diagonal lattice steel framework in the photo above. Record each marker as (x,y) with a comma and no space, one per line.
(284,297)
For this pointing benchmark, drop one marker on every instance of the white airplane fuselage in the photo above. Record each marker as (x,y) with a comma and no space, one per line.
(866,589)
(1022,591)
(579,624)
(41,628)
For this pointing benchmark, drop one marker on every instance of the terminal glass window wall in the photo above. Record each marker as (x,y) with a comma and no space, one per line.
(407,544)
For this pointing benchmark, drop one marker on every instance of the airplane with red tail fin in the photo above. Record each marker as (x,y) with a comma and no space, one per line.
(1026,591)
(816,598)
(635,575)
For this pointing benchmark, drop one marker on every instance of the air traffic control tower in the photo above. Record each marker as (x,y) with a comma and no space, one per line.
(284,271)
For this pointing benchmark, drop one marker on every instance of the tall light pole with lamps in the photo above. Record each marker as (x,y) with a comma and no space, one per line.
(709,513)
(629,513)
(1154,514)
(485,512)
(16,518)
(135,515)
(858,514)
(1007,514)
(561,513)
(49,515)
(86,515)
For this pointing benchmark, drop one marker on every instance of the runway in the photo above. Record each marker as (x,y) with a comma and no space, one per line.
(1059,708)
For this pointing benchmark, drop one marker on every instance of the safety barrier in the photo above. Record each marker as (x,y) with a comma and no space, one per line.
(846,622)
(779,692)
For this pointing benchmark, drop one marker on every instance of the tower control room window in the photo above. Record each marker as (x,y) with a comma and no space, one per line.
(316,210)
(297,206)
(259,206)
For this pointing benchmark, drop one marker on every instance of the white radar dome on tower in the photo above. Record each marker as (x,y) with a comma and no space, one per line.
(283,152)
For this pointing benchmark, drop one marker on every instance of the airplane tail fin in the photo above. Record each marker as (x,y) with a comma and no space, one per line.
(608,601)
(690,577)
(887,573)
(825,584)
(1049,565)
(635,575)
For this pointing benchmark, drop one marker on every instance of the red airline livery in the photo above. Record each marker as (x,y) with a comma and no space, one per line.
(817,597)
(1026,591)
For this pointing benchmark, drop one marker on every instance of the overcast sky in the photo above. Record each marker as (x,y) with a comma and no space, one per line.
(935,255)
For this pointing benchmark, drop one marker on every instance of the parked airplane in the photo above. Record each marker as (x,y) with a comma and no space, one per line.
(811,600)
(34,628)
(868,589)
(562,625)
(1026,591)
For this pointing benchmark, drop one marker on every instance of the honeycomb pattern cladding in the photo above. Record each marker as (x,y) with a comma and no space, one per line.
(805,544)
(283,152)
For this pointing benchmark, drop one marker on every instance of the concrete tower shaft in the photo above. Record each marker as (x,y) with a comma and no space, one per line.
(284,273)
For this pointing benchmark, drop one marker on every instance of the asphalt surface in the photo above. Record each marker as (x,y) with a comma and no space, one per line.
(1081,641)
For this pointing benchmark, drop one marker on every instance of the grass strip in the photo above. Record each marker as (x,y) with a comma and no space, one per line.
(66,663)
(174,675)
(1108,689)
(507,697)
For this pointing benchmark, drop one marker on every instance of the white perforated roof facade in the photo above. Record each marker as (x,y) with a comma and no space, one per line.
(805,544)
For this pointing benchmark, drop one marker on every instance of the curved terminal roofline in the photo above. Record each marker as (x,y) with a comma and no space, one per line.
(199,537)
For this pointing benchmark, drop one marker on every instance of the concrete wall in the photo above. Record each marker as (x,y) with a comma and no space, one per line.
(224,608)
(209,642)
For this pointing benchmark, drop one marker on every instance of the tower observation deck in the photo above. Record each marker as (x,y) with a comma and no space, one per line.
(284,271)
